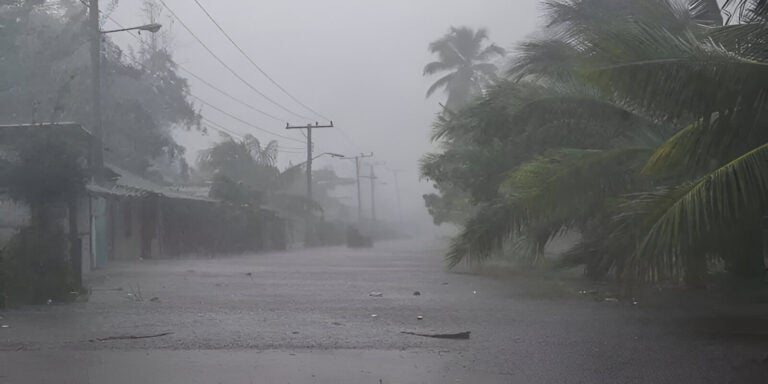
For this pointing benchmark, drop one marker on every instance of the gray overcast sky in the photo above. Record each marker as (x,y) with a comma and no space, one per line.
(358,62)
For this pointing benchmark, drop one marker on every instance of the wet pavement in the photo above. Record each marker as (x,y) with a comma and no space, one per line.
(308,316)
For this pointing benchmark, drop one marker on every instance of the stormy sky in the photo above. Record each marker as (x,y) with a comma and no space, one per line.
(357,62)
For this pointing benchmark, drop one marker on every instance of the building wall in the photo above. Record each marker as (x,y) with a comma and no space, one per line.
(13,216)
(126,228)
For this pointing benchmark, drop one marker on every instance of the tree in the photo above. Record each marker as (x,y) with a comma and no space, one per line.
(45,71)
(242,170)
(639,124)
(462,53)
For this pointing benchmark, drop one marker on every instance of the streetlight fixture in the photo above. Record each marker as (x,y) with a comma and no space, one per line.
(151,28)
(96,36)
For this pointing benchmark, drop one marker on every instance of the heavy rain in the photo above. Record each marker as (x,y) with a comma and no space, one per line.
(383,192)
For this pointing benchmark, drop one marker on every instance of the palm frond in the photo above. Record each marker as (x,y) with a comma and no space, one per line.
(552,59)
(709,143)
(747,40)
(706,12)
(491,51)
(565,189)
(679,77)
(443,82)
(701,211)
(485,234)
(437,66)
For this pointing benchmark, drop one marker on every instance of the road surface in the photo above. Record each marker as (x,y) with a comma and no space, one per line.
(307,316)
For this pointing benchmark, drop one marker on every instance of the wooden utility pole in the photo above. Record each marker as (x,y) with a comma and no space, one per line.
(309,128)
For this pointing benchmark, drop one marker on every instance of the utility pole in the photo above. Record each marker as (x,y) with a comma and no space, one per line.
(309,127)
(97,157)
(357,179)
(373,193)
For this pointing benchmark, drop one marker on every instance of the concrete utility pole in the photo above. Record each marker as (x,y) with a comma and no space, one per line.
(309,128)
(357,179)
(94,25)
(372,177)
(97,157)
(373,193)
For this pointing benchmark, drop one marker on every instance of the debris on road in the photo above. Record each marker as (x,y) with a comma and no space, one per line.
(419,317)
(611,300)
(155,299)
(450,336)
(376,294)
(374,315)
(5,326)
(131,337)
(417,293)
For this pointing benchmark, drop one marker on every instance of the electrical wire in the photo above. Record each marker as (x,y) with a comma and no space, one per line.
(228,95)
(248,57)
(254,126)
(214,107)
(221,128)
(225,65)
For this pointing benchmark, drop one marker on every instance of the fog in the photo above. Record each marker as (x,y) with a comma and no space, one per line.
(391,192)
(357,62)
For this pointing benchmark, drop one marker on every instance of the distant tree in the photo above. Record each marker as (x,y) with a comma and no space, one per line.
(462,53)
(241,164)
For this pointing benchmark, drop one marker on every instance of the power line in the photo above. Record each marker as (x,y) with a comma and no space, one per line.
(235,99)
(273,81)
(225,65)
(221,128)
(254,126)
(225,93)
(346,136)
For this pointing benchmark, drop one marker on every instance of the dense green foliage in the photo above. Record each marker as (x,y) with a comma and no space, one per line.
(241,171)
(641,125)
(45,76)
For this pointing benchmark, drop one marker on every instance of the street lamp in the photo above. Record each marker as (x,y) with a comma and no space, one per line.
(331,154)
(151,28)
(98,131)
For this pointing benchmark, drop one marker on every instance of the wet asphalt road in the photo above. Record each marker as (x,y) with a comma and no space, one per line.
(306,316)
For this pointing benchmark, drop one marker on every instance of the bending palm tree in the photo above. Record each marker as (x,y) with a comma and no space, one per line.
(461,52)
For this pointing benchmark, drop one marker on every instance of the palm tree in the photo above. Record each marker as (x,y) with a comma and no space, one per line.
(245,161)
(462,52)
(648,210)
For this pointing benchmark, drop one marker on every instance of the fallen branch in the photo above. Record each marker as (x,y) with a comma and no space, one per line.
(131,337)
(452,336)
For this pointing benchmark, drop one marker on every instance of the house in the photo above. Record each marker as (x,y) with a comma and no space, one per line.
(127,217)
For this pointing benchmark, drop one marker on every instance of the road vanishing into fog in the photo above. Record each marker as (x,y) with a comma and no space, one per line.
(307,316)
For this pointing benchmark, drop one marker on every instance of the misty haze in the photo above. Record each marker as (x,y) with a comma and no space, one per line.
(383,192)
